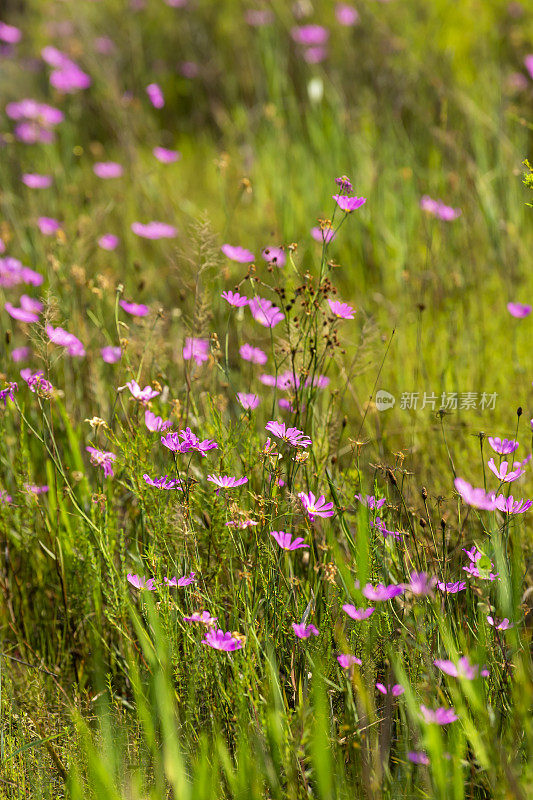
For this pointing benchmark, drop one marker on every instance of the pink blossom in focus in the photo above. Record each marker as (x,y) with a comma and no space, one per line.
(316,507)
(219,640)
(284,540)
(349,204)
(341,310)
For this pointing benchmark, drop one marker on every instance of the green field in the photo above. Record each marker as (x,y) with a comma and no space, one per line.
(236,123)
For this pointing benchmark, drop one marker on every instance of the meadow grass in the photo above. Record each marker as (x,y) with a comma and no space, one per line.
(106,690)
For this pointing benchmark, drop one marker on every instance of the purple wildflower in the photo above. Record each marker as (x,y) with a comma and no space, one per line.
(420,584)
(37,382)
(382,528)
(452,588)
(142,395)
(303,631)
(477,498)
(135,309)
(8,393)
(102,459)
(155,423)
(418,757)
(381,593)
(349,204)
(9,34)
(310,35)
(441,716)
(226,481)
(474,569)
(196,348)
(21,314)
(235,299)
(264,312)
(503,446)
(325,234)
(107,169)
(396,689)
(155,95)
(463,668)
(284,540)
(511,506)
(518,310)
(180,582)
(154,230)
(236,253)
(204,617)
(108,241)
(275,256)
(166,156)
(370,501)
(34,181)
(219,640)
(65,339)
(316,507)
(253,354)
(341,310)
(346,15)
(438,209)
(500,625)
(141,583)
(292,436)
(501,471)
(48,225)
(358,614)
(248,401)
(111,354)
(347,661)
(164,482)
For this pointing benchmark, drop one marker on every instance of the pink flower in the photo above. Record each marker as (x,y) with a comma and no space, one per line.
(35,181)
(180,582)
(347,661)
(323,234)
(163,482)
(235,299)
(275,256)
(219,640)
(204,617)
(9,34)
(154,230)
(102,459)
(310,35)
(304,631)
(154,423)
(316,507)
(226,481)
(166,156)
(500,625)
(248,401)
(143,395)
(370,501)
(477,498)
(358,614)
(65,339)
(241,524)
(349,204)
(438,209)
(441,716)
(37,382)
(420,584)
(380,593)
(518,310)
(341,310)
(502,446)
(292,436)
(67,77)
(48,225)
(108,241)
(501,471)
(107,169)
(258,17)
(463,668)
(284,540)
(418,757)
(135,309)
(253,354)
(382,528)
(315,55)
(452,588)
(12,273)
(511,506)
(35,111)
(141,583)
(22,314)
(197,349)
(528,63)
(33,488)
(155,95)
(396,690)
(190,442)
(264,312)
(111,354)
(235,253)
(480,565)
(20,354)
(346,14)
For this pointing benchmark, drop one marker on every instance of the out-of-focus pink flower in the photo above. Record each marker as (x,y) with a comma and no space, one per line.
(20,354)
(275,256)
(303,631)
(258,17)
(358,614)
(346,14)
(315,55)
(501,471)
(439,209)
(155,423)
(441,716)
(35,181)
(264,312)
(180,582)
(236,253)
(248,401)
(500,625)
(21,314)
(528,63)
(108,241)
(111,354)
(155,95)
(518,310)
(154,230)
(189,69)
(347,661)
(253,354)
(204,617)
(477,498)
(197,349)
(67,340)
(166,156)
(107,169)
(463,668)
(420,584)
(310,35)
(143,395)
(381,593)
(135,309)
(418,757)
(396,690)
(9,34)
(48,225)
(323,234)
(452,588)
